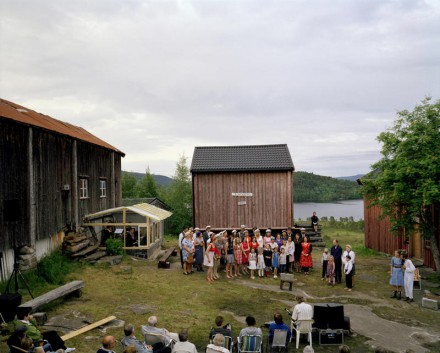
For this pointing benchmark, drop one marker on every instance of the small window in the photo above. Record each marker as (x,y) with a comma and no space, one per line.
(83,188)
(103,188)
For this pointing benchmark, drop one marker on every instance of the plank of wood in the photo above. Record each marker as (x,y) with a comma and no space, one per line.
(53,294)
(78,247)
(86,251)
(87,328)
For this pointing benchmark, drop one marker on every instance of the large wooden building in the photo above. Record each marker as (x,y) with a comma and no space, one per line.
(378,235)
(242,185)
(52,174)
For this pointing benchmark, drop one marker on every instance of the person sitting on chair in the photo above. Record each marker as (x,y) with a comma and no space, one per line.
(50,339)
(278,325)
(130,339)
(108,343)
(302,311)
(184,345)
(218,344)
(151,328)
(251,330)
(225,330)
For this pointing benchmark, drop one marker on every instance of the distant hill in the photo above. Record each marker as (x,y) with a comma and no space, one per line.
(309,187)
(161,180)
(351,178)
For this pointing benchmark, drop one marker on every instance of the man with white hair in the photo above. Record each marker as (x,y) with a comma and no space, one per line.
(302,311)
(151,328)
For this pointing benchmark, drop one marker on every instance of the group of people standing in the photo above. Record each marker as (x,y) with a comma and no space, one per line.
(245,252)
(336,261)
(402,275)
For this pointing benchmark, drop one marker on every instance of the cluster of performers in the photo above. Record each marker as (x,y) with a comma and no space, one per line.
(245,253)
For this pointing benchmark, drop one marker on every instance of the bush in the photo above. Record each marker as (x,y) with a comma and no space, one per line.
(54,267)
(114,246)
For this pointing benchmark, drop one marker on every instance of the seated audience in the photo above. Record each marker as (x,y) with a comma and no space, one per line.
(308,349)
(50,339)
(278,325)
(184,345)
(108,343)
(131,340)
(151,328)
(130,349)
(225,330)
(218,344)
(14,341)
(344,349)
(302,310)
(251,330)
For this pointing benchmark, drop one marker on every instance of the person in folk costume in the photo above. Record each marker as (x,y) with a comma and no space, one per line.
(396,273)
(306,260)
(408,278)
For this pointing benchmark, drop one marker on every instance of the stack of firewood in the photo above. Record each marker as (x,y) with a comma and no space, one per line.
(75,242)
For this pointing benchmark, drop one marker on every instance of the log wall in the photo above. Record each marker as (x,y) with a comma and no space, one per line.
(271,203)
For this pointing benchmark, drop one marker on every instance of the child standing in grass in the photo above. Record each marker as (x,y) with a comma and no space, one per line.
(283,260)
(260,263)
(324,262)
(275,258)
(331,270)
(267,253)
(252,262)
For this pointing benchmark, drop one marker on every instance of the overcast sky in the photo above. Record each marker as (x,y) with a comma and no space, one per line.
(157,78)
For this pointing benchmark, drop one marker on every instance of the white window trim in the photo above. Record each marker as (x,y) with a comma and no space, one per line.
(83,188)
(103,190)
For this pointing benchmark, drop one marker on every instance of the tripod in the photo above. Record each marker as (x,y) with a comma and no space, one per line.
(15,273)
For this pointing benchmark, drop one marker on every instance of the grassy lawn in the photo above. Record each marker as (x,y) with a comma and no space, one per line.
(134,290)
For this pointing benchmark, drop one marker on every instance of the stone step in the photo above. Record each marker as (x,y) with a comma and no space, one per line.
(95,256)
(110,260)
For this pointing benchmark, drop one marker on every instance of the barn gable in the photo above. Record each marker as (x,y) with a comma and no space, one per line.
(235,185)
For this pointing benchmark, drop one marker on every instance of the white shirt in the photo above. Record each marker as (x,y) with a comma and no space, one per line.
(290,248)
(409,266)
(181,236)
(184,347)
(302,311)
(352,255)
(348,267)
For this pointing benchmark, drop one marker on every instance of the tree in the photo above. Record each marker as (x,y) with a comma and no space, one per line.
(147,186)
(178,196)
(406,182)
(128,184)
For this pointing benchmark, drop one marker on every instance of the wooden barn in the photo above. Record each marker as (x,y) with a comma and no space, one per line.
(378,235)
(52,174)
(242,185)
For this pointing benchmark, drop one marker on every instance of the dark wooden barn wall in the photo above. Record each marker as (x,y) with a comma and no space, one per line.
(52,168)
(270,206)
(13,184)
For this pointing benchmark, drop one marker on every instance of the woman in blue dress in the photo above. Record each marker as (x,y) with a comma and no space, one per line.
(396,280)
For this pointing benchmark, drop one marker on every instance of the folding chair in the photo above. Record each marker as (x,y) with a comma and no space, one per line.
(153,338)
(303,327)
(249,344)
(229,343)
(279,342)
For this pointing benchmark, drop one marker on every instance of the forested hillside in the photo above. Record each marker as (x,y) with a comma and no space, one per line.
(308,187)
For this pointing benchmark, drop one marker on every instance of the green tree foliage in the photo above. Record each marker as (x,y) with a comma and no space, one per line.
(309,187)
(178,196)
(128,185)
(146,187)
(406,181)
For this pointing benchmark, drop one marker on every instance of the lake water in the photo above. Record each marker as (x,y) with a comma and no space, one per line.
(345,208)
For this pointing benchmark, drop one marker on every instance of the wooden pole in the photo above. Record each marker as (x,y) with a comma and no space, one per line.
(87,328)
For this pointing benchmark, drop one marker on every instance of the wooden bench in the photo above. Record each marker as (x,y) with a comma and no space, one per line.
(72,287)
(286,278)
(163,261)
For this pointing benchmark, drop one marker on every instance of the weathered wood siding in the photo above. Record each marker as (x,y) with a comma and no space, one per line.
(271,203)
(35,165)
(13,184)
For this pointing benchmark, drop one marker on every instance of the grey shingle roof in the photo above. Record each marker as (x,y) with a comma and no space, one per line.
(241,158)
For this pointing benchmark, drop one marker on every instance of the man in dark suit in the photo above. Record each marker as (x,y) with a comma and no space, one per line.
(336,252)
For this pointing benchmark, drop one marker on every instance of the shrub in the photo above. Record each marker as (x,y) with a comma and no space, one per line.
(54,267)
(114,246)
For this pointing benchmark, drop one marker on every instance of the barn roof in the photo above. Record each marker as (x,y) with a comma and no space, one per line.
(241,158)
(18,113)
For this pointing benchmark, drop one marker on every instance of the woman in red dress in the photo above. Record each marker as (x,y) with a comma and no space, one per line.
(306,260)
(246,248)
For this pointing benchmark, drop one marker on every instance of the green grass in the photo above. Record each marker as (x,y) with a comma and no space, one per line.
(135,290)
